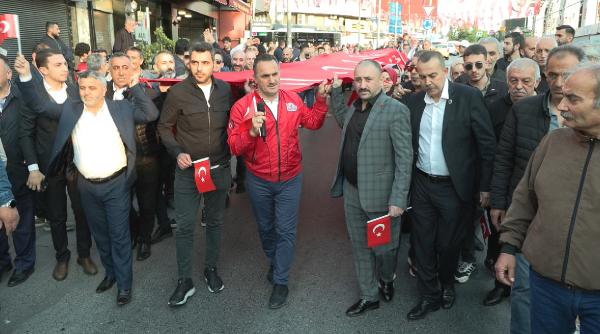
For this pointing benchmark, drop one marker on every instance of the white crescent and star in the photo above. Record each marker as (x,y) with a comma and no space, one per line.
(376,227)
(5,27)
(200,170)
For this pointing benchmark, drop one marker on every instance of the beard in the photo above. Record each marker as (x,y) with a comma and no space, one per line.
(168,74)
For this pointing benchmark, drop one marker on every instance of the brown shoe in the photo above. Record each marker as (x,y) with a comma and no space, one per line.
(61,270)
(89,267)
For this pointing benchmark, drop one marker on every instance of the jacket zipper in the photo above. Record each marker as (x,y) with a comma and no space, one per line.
(575,209)
(278,149)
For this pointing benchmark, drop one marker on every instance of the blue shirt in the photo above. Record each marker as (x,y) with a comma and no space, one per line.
(5,192)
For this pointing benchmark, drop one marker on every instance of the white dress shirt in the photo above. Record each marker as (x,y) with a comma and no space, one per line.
(98,148)
(118,93)
(59,96)
(431,156)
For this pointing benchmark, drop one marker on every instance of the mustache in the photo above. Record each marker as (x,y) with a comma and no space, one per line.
(567,115)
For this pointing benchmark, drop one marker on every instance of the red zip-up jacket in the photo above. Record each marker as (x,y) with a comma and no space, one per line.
(278,158)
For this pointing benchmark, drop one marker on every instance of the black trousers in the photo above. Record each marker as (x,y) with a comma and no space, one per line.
(240,170)
(438,231)
(167,167)
(55,198)
(146,187)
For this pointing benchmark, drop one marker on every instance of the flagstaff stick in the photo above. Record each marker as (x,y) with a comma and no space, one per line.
(18,34)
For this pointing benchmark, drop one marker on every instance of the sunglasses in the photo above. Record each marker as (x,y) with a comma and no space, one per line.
(218,61)
(469,66)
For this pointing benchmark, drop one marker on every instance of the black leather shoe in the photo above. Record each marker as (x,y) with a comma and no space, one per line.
(361,307)
(106,284)
(496,296)
(161,234)
(386,290)
(278,296)
(5,269)
(448,298)
(270,275)
(143,251)
(123,297)
(19,277)
(421,309)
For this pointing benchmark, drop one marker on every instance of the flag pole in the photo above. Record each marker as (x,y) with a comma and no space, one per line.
(18,34)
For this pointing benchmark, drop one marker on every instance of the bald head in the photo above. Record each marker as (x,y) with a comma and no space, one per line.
(543,47)
(371,63)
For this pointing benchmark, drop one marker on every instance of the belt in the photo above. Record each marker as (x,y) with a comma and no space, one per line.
(108,178)
(434,178)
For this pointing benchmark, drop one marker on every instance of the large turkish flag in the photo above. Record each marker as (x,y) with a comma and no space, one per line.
(299,76)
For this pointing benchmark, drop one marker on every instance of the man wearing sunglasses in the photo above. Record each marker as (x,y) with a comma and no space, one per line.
(476,65)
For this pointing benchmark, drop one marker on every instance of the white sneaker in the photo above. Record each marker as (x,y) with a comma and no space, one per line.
(464,271)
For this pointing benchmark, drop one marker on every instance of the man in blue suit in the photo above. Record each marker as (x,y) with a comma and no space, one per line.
(102,134)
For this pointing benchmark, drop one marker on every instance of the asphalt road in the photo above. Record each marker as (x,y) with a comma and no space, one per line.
(322,282)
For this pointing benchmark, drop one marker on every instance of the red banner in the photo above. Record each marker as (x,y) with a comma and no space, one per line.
(8,26)
(379,231)
(204,181)
(299,76)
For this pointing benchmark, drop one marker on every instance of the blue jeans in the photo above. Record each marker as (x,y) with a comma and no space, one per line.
(275,206)
(23,237)
(554,307)
(519,298)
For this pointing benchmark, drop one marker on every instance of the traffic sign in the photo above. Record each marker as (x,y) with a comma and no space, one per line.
(428,24)
(428,10)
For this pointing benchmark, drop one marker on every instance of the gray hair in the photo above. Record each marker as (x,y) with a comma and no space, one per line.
(93,75)
(549,38)
(564,50)
(492,40)
(95,61)
(522,64)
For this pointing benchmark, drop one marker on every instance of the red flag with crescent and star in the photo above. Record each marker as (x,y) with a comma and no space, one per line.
(204,181)
(8,27)
(379,231)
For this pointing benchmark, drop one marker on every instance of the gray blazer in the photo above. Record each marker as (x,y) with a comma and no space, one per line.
(384,153)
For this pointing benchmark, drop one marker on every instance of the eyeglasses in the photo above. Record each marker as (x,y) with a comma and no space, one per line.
(218,61)
(478,65)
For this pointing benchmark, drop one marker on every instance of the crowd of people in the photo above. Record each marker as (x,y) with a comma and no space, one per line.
(505,134)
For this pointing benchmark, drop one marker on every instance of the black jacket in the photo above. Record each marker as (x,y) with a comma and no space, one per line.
(10,120)
(543,87)
(38,131)
(58,44)
(146,136)
(495,91)
(525,126)
(123,41)
(498,111)
(467,138)
(187,125)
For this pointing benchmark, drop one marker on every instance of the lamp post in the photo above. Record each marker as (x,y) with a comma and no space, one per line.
(289,24)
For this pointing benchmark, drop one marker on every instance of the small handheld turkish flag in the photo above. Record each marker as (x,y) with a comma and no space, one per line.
(204,181)
(9,28)
(379,231)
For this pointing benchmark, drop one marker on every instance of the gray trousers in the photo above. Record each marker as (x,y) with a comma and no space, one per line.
(370,264)
(187,202)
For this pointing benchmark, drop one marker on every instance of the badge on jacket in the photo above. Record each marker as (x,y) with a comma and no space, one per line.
(291,107)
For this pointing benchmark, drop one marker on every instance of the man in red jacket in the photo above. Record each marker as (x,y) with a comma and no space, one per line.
(269,145)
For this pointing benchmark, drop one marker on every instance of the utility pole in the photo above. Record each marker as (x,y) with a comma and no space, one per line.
(378,22)
(289,24)
(359,24)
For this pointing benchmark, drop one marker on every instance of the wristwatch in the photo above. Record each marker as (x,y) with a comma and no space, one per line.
(10,204)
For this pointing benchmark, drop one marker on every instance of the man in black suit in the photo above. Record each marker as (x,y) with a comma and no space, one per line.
(104,149)
(52,39)
(11,107)
(452,132)
(124,37)
(38,133)
(147,162)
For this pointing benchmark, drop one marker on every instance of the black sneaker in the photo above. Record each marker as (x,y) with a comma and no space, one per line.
(464,271)
(213,281)
(278,296)
(185,289)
